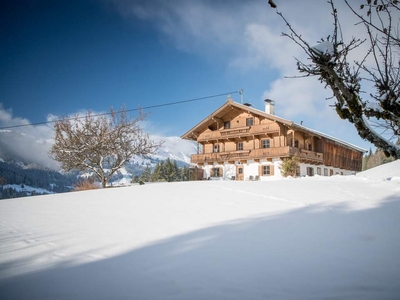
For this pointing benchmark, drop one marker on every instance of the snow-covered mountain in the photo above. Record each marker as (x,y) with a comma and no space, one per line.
(173,148)
(307,238)
(27,151)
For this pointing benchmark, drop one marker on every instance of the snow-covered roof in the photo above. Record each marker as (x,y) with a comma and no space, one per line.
(339,141)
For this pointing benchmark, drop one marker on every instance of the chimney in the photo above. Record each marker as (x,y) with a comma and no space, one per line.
(269,106)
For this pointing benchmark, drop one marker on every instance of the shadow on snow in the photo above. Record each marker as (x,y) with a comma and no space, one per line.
(309,253)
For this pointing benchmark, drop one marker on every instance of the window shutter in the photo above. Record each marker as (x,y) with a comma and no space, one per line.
(271,169)
(220,171)
(260,170)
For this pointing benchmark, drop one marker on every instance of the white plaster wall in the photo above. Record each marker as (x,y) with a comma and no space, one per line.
(277,167)
(336,171)
(250,169)
(228,170)
(277,170)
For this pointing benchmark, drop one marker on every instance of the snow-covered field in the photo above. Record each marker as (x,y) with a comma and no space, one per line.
(310,238)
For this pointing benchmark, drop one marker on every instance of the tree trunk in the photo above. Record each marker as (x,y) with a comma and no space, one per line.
(103,182)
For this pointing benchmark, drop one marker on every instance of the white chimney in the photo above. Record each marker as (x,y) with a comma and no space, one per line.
(269,106)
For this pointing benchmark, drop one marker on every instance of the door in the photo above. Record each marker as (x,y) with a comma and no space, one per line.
(239,173)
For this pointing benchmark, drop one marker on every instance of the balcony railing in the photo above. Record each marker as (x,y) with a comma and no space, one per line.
(239,132)
(265,153)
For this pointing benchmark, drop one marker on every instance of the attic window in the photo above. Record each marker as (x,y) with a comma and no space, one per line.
(227,125)
(249,122)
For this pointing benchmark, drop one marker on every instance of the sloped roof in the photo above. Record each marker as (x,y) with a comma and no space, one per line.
(230,104)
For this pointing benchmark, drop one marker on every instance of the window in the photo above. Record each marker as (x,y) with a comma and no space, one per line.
(266,143)
(215,172)
(240,146)
(310,147)
(249,122)
(240,170)
(216,148)
(266,170)
(227,125)
(319,171)
(310,171)
(296,144)
(325,171)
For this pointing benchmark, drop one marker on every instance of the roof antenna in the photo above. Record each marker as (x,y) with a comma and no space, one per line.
(241,95)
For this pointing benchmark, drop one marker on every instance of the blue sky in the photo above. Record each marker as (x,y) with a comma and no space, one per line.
(59,58)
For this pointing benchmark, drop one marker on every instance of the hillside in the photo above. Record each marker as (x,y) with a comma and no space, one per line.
(307,238)
(26,169)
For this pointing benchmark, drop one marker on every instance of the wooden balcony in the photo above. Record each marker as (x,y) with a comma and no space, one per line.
(306,156)
(238,132)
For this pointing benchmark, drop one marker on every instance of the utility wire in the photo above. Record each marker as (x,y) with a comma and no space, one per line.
(128,110)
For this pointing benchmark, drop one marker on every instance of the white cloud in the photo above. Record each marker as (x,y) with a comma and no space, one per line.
(7,119)
(294,97)
(30,142)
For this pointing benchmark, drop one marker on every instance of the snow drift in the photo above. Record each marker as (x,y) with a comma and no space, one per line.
(309,238)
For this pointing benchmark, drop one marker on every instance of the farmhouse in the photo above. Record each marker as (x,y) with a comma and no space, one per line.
(240,142)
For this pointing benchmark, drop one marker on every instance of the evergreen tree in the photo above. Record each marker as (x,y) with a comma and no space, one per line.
(289,166)
(159,172)
(184,173)
(135,179)
(146,174)
(176,169)
(171,170)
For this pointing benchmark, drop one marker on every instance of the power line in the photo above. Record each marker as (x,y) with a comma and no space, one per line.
(128,110)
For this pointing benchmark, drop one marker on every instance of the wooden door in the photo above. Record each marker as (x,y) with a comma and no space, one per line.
(239,173)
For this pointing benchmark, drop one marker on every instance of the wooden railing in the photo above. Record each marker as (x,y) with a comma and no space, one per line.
(287,151)
(238,132)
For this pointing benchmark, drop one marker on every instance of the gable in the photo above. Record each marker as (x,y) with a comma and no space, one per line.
(236,114)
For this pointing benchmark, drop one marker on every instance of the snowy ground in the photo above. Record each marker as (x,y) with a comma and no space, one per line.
(308,238)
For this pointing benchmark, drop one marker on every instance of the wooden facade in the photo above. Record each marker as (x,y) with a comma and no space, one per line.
(237,134)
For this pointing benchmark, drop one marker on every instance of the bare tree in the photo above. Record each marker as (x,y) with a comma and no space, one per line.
(101,144)
(380,65)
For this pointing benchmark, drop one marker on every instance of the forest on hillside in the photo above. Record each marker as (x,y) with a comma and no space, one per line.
(39,178)
(165,171)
